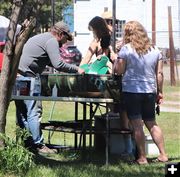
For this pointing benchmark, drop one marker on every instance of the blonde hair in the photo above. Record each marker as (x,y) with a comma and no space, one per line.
(136,35)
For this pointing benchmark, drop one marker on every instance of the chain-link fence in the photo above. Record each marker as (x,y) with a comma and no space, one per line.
(162,41)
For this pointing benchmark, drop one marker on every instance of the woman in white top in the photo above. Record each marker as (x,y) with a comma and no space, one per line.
(142,67)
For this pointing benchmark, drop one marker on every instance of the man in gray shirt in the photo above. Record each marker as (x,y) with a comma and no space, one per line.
(43,49)
(40,51)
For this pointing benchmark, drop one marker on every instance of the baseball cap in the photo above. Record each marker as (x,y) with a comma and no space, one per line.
(63,27)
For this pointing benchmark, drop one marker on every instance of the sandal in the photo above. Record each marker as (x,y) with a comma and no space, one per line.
(142,162)
(135,162)
(159,161)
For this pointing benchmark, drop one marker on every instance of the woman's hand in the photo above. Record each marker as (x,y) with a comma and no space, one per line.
(119,44)
(159,99)
(81,71)
(99,57)
(110,67)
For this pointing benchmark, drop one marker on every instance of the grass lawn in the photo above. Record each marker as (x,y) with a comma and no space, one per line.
(70,163)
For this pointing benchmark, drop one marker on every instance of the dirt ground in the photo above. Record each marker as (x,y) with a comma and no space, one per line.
(171,106)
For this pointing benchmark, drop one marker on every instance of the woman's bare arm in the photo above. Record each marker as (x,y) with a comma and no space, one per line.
(160,79)
(119,66)
(90,52)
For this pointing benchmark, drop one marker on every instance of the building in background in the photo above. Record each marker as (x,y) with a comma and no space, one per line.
(140,10)
(68,17)
(4,24)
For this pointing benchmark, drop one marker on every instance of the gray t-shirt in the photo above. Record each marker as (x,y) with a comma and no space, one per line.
(42,50)
(140,72)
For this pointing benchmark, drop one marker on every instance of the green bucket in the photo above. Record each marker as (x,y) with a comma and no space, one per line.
(97,67)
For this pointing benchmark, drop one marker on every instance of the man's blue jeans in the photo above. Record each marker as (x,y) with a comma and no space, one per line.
(28,114)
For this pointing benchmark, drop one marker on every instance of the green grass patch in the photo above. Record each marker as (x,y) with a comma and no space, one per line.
(171,93)
(71,164)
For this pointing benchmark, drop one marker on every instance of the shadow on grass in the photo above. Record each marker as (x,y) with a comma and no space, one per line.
(92,164)
(79,157)
(70,158)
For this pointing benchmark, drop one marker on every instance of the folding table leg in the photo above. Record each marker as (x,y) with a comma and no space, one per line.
(107,136)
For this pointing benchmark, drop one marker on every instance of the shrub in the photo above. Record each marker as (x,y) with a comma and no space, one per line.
(14,157)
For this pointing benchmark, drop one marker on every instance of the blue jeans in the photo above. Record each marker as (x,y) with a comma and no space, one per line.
(28,114)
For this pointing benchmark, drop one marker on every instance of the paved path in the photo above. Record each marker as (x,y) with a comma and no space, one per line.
(169,109)
(170,106)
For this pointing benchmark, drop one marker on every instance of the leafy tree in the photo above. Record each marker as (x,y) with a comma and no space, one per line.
(44,20)
(37,12)
(5,7)
(12,55)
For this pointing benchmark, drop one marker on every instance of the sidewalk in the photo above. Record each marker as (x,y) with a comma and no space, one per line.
(169,109)
(170,106)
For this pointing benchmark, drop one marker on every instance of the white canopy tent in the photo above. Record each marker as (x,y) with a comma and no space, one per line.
(4,24)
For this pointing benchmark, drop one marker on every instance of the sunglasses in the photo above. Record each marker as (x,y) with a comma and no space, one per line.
(65,34)
(109,21)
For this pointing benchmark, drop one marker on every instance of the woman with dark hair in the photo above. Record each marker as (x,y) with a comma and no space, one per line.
(100,31)
(141,64)
(100,45)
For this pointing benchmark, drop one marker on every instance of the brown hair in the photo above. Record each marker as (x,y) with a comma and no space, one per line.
(136,35)
(100,28)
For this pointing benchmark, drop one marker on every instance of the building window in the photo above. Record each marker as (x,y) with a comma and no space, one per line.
(120,26)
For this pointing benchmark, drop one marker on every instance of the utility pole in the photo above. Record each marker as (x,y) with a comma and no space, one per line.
(52,12)
(154,22)
(171,48)
(114,24)
(52,23)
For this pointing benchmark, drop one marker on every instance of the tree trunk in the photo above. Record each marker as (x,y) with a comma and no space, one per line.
(11,58)
(7,63)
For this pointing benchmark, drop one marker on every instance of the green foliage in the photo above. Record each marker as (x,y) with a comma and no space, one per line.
(44,19)
(5,8)
(14,158)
